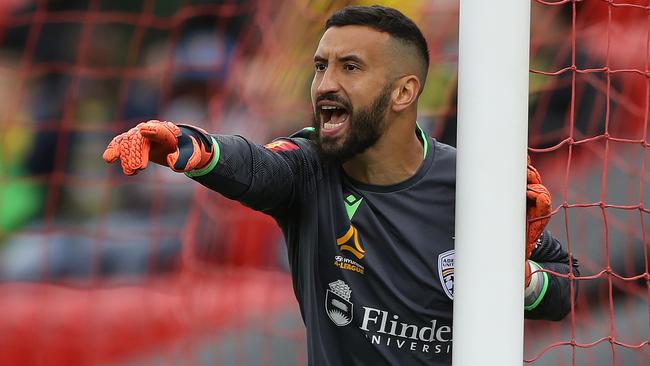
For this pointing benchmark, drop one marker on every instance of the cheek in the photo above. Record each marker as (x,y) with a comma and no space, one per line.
(362,94)
(366,96)
(313,96)
(312,92)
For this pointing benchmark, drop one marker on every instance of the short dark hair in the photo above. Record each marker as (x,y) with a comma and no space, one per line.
(383,19)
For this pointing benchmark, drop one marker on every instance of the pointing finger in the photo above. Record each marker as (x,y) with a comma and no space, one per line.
(161,132)
(111,153)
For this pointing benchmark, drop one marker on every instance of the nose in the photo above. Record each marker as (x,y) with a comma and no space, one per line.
(326,82)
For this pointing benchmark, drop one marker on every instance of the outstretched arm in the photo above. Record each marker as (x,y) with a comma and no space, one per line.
(266,178)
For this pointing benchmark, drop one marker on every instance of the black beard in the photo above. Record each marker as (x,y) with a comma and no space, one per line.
(364,128)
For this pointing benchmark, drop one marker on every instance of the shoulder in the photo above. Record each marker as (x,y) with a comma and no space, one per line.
(444,155)
(308,133)
(303,139)
(445,151)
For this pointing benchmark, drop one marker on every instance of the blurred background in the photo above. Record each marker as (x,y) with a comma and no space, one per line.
(97,268)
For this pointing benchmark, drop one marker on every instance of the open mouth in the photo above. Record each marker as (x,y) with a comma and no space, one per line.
(332,118)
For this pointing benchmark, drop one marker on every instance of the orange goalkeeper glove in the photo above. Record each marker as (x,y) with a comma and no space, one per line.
(180,147)
(538,211)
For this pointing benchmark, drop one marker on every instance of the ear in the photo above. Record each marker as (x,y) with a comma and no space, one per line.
(405,92)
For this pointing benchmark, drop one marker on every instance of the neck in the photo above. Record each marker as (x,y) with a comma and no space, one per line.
(395,157)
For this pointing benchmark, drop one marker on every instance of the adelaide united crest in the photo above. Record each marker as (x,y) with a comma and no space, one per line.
(446,272)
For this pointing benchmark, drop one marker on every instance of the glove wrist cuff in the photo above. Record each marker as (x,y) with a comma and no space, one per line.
(536,290)
(201,136)
(210,165)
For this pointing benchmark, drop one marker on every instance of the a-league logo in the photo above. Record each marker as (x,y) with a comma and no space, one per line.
(337,303)
(446,272)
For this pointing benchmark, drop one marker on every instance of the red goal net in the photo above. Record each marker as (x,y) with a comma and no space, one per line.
(99,268)
(588,127)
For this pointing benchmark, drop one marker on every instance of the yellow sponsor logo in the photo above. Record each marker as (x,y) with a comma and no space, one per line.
(350,242)
(348,264)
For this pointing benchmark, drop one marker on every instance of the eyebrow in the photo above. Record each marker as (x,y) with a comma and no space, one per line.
(353,58)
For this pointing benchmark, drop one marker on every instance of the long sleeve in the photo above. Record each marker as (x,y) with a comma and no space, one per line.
(267,179)
(554,303)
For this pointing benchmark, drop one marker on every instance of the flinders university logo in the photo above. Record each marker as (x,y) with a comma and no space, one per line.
(337,303)
(385,328)
(446,272)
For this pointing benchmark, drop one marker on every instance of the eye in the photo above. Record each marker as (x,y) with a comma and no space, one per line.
(320,67)
(350,67)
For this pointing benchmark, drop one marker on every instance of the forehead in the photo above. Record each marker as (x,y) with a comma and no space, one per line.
(352,39)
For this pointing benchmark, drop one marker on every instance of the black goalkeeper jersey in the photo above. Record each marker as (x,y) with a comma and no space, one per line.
(372,266)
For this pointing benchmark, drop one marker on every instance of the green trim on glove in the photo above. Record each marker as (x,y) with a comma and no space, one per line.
(209,167)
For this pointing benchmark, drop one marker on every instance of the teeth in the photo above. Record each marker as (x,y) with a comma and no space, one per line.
(329,126)
(329,107)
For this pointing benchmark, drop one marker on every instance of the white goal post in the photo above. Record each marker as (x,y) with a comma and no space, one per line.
(494,39)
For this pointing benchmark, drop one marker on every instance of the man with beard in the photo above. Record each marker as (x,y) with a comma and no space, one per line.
(364,198)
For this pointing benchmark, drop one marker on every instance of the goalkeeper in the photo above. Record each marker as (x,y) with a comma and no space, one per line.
(365,199)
